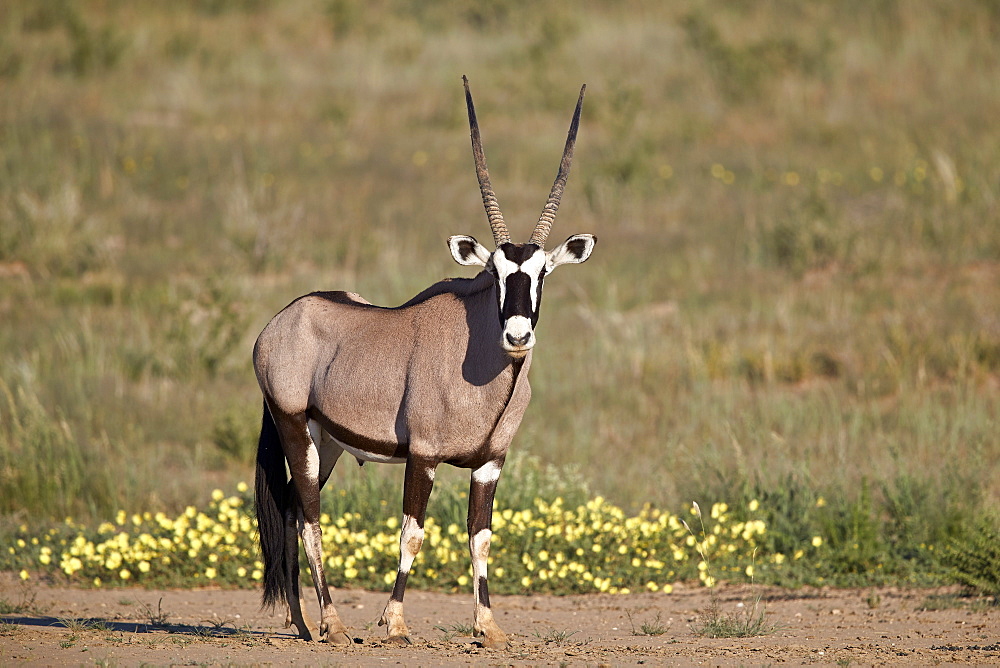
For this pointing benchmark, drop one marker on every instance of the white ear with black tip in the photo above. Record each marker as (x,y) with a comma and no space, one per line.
(467,251)
(574,250)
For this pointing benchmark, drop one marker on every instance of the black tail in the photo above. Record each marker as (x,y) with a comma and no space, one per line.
(271,493)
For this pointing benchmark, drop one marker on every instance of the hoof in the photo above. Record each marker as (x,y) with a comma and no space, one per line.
(492,637)
(495,643)
(304,633)
(338,638)
(399,640)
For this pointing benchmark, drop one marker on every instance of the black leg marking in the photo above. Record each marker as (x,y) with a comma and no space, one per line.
(483,592)
(399,588)
(417,485)
(481,492)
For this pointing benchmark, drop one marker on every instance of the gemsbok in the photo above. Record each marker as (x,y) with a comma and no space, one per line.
(441,379)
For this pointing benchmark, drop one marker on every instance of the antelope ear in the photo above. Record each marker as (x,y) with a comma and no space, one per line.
(574,250)
(467,251)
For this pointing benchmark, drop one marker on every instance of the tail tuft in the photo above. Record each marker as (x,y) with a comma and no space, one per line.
(270,489)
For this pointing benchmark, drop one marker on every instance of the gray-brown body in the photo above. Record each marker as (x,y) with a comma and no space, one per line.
(425,379)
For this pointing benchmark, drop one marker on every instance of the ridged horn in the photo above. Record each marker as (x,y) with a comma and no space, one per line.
(499,227)
(544,225)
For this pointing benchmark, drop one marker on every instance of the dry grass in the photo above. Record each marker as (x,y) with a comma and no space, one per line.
(799,260)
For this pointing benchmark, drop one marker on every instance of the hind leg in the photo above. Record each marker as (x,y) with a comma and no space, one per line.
(329,451)
(296,613)
(333,629)
(304,463)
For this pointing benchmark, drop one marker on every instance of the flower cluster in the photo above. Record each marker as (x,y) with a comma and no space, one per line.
(594,547)
(150,548)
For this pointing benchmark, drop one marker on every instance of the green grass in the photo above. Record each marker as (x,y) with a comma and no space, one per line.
(795,290)
(746,623)
(648,627)
(459,630)
(81,625)
(555,636)
(156,617)
(26,604)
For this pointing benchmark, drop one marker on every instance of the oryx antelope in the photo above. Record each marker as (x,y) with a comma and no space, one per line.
(441,379)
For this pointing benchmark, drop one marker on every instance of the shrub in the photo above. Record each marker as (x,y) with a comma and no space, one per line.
(975,558)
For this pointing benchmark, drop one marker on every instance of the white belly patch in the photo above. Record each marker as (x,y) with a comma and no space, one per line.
(317,431)
(370,456)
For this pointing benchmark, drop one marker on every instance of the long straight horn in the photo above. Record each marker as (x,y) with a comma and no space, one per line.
(544,225)
(500,233)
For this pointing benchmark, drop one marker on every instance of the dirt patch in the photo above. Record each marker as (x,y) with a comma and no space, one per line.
(67,626)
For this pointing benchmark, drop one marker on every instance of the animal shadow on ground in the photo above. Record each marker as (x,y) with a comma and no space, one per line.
(209,629)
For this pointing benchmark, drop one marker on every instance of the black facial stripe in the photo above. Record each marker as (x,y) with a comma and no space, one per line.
(517,285)
(499,304)
(518,297)
(518,253)
(538,299)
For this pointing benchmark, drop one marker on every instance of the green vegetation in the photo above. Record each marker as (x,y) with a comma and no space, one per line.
(794,299)
(975,559)
(555,636)
(650,627)
(460,630)
(745,623)
(548,546)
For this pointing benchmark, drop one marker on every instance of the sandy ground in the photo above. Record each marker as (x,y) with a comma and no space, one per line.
(72,627)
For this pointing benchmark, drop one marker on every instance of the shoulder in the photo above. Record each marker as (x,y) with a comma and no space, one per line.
(454,287)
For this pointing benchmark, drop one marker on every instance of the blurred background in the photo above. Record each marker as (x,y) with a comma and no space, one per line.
(797,285)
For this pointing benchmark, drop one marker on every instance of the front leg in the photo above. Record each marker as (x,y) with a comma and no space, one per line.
(417,485)
(481,492)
